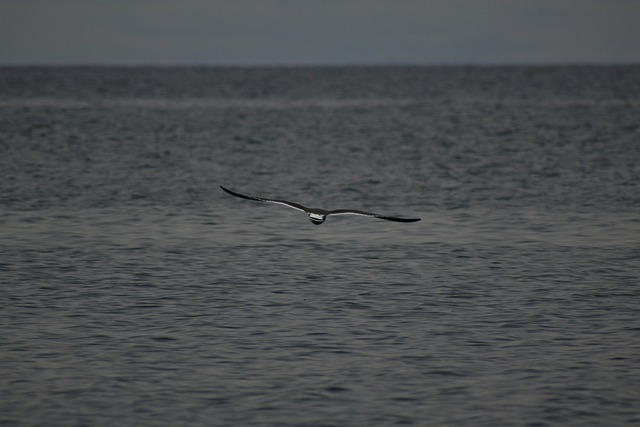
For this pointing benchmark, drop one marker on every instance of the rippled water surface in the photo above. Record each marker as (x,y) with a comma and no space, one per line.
(133,291)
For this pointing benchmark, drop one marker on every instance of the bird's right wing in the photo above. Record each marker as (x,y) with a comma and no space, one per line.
(374,215)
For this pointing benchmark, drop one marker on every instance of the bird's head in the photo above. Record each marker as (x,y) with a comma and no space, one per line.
(317,219)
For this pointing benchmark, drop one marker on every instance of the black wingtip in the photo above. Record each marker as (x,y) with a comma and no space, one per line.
(404,219)
(397,219)
(242,196)
(226,190)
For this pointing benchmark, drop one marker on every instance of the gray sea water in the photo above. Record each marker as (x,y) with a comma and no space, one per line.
(133,291)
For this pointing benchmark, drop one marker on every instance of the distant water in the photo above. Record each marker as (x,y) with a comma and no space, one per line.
(135,292)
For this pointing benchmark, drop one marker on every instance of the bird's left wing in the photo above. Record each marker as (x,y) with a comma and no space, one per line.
(264,199)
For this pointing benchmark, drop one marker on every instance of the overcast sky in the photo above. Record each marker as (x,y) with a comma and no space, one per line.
(243,32)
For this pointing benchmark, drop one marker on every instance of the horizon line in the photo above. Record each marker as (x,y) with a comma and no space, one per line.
(89,64)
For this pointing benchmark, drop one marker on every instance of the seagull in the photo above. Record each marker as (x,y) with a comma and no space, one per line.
(318,216)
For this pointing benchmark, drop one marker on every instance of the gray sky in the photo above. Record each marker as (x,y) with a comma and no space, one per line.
(244,32)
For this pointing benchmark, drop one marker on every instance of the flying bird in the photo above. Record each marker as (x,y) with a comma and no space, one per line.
(316,215)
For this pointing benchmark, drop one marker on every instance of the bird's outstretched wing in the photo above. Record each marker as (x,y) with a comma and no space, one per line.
(357,212)
(263,199)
